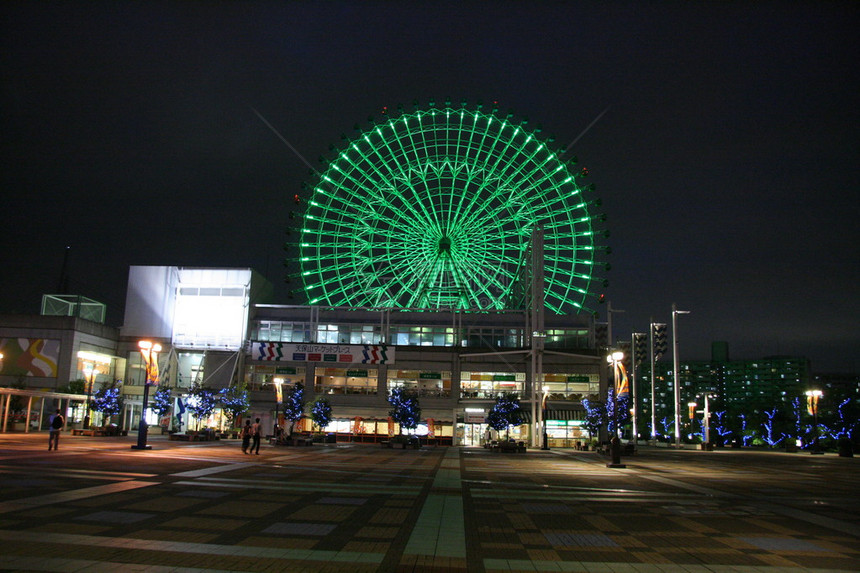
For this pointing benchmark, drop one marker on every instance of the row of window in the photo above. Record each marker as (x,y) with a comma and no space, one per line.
(478,385)
(296,332)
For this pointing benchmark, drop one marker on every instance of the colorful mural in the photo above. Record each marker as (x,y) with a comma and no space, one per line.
(29,357)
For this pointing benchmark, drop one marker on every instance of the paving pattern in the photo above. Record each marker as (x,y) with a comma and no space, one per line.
(98,505)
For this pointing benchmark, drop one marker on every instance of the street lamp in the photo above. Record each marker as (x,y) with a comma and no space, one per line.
(812,397)
(707,421)
(543,410)
(615,443)
(692,407)
(677,382)
(90,374)
(149,351)
(279,398)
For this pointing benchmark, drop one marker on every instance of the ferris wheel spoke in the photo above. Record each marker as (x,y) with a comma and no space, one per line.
(385,195)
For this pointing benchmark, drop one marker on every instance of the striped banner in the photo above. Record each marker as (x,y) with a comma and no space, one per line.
(329,353)
(622,386)
(640,347)
(661,344)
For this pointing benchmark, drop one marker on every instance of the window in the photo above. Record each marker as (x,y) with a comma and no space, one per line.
(422,335)
(345,381)
(425,383)
(490,385)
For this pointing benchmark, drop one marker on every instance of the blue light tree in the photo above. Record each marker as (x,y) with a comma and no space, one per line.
(595,416)
(405,409)
(505,413)
(321,413)
(294,406)
(234,401)
(161,402)
(201,402)
(720,427)
(769,435)
(107,401)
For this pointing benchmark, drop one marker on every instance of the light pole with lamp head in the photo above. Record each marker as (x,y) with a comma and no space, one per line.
(707,422)
(149,351)
(676,383)
(812,397)
(544,411)
(615,443)
(90,375)
(692,406)
(279,398)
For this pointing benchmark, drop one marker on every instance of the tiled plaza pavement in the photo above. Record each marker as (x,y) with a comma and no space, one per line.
(98,505)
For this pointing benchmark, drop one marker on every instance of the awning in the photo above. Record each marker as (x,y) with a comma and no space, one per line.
(555,414)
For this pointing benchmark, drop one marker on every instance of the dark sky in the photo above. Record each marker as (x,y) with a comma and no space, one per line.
(727,161)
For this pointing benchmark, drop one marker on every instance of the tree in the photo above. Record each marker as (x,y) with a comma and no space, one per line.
(719,427)
(769,435)
(623,410)
(161,401)
(595,416)
(294,405)
(505,412)
(234,401)
(321,413)
(107,401)
(201,401)
(405,409)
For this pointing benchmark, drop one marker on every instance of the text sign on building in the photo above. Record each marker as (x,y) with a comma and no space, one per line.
(338,353)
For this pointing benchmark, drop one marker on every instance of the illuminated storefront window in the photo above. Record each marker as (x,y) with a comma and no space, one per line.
(571,386)
(345,381)
(489,385)
(423,382)
(565,433)
(262,378)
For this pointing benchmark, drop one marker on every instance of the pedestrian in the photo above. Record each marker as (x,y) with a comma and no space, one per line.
(55,425)
(246,436)
(255,436)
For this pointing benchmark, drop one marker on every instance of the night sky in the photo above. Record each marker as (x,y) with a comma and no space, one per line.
(727,161)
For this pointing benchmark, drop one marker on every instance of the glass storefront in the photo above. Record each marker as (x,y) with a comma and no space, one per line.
(424,383)
(490,385)
(262,378)
(345,381)
(572,387)
(566,433)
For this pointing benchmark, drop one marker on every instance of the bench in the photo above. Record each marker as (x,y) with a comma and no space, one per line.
(89,432)
(414,444)
(509,447)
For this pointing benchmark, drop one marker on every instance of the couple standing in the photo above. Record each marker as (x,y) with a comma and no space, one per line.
(251,432)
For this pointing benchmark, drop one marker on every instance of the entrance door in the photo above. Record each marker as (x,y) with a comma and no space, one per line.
(473,434)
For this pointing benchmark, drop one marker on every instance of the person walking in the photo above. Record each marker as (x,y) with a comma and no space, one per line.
(55,425)
(255,436)
(246,436)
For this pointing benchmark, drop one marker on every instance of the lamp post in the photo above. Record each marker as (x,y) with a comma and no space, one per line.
(279,397)
(708,445)
(676,382)
(150,355)
(812,397)
(615,443)
(90,374)
(692,406)
(543,411)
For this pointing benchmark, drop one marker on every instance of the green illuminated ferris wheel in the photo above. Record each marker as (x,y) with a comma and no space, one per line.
(436,208)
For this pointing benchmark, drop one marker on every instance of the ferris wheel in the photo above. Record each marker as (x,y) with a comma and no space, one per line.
(436,208)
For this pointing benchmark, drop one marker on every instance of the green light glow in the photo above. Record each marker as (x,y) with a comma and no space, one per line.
(435,209)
